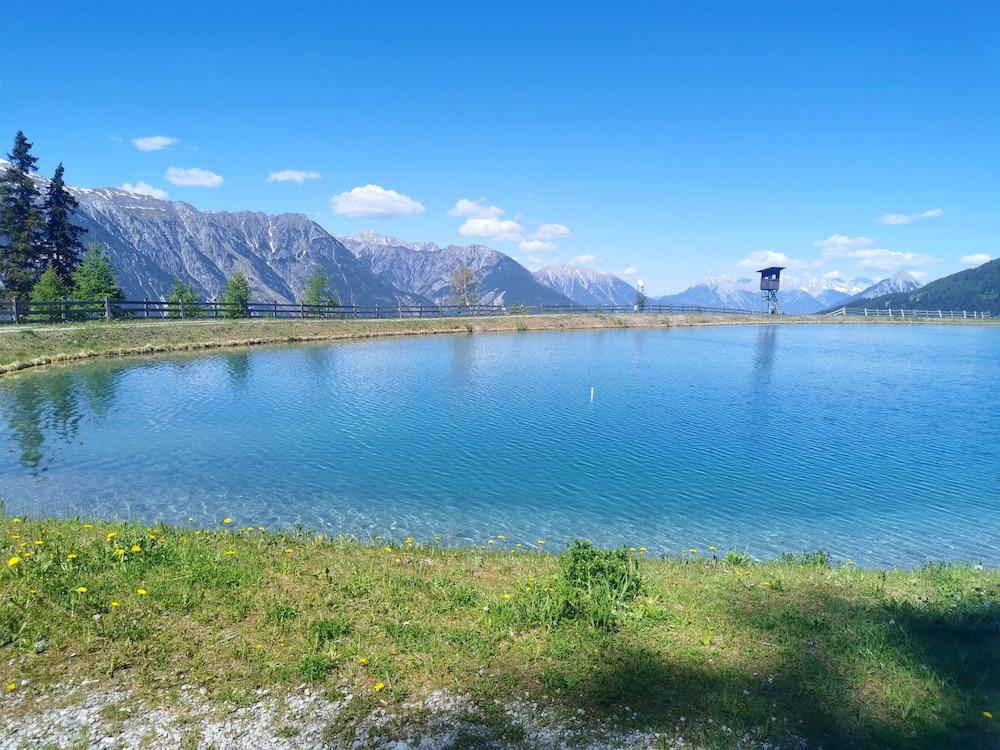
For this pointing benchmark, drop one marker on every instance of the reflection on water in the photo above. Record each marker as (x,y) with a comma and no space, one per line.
(876,443)
(43,413)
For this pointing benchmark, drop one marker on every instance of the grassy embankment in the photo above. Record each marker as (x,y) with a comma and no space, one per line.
(834,654)
(35,345)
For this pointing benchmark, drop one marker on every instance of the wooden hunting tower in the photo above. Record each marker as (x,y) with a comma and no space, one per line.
(770,281)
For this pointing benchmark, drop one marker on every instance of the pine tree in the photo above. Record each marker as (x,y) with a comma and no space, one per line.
(62,236)
(237,295)
(183,294)
(50,287)
(319,293)
(95,278)
(21,224)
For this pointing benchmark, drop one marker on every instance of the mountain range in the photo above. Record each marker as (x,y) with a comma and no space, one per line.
(153,242)
(424,270)
(587,287)
(974,289)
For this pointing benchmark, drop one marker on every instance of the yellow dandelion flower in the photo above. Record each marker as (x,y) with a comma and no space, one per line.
(81,589)
(632,549)
(15,520)
(362,660)
(230,553)
(29,553)
(10,687)
(713,548)
(491,542)
(13,561)
(15,536)
(227,520)
(39,542)
(987,715)
(258,646)
(767,584)
(111,535)
(136,548)
(71,556)
(501,537)
(119,551)
(507,597)
(260,529)
(88,526)
(387,548)
(541,542)
(379,687)
(115,604)
(693,551)
(643,550)
(141,592)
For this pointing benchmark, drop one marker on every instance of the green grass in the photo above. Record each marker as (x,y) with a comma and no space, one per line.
(841,656)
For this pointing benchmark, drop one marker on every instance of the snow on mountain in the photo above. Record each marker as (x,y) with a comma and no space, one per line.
(899,283)
(586,286)
(153,242)
(424,269)
(741,294)
(830,290)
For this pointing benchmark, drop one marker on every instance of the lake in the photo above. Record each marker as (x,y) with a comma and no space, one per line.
(877,443)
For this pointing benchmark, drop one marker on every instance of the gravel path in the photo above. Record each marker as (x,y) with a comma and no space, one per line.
(87,716)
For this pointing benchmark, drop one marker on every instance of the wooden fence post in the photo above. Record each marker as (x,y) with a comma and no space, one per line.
(107,308)
(14,311)
(62,309)
(181,301)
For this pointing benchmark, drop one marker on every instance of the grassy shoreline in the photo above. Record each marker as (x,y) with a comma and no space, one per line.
(787,649)
(38,345)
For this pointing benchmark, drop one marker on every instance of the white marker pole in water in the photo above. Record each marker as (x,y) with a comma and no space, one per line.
(591,394)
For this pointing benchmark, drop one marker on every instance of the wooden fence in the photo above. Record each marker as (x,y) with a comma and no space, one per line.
(888,312)
(24,311)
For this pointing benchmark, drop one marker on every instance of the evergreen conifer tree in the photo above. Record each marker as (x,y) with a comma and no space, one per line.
(21,224)
(50,287)
(318,292)
(62,236)
(95,278)
(237,295)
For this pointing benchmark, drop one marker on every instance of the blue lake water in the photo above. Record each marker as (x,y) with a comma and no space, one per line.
(876,443)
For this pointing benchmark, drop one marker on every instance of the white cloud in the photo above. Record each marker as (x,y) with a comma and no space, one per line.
(837,245)
(585,260)
(144,188)
(293,175)
(880,259)
(492,229)
(375,201)
(910,218)
(193,177)
(629,271)
(974,260)
(536,245)
(475,209)
(153,142)
(765,258)
(552,232)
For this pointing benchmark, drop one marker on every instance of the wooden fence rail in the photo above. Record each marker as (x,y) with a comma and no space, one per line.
(889,312)
(24,311)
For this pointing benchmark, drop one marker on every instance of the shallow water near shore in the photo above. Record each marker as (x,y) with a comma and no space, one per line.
(878,444)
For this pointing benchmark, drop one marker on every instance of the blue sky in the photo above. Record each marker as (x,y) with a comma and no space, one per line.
(678,140)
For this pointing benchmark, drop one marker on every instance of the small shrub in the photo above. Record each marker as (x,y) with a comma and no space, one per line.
(817,559)
(521,326)
(737,559)
(329,629)
(518,309)
(316,667)
(282,612)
